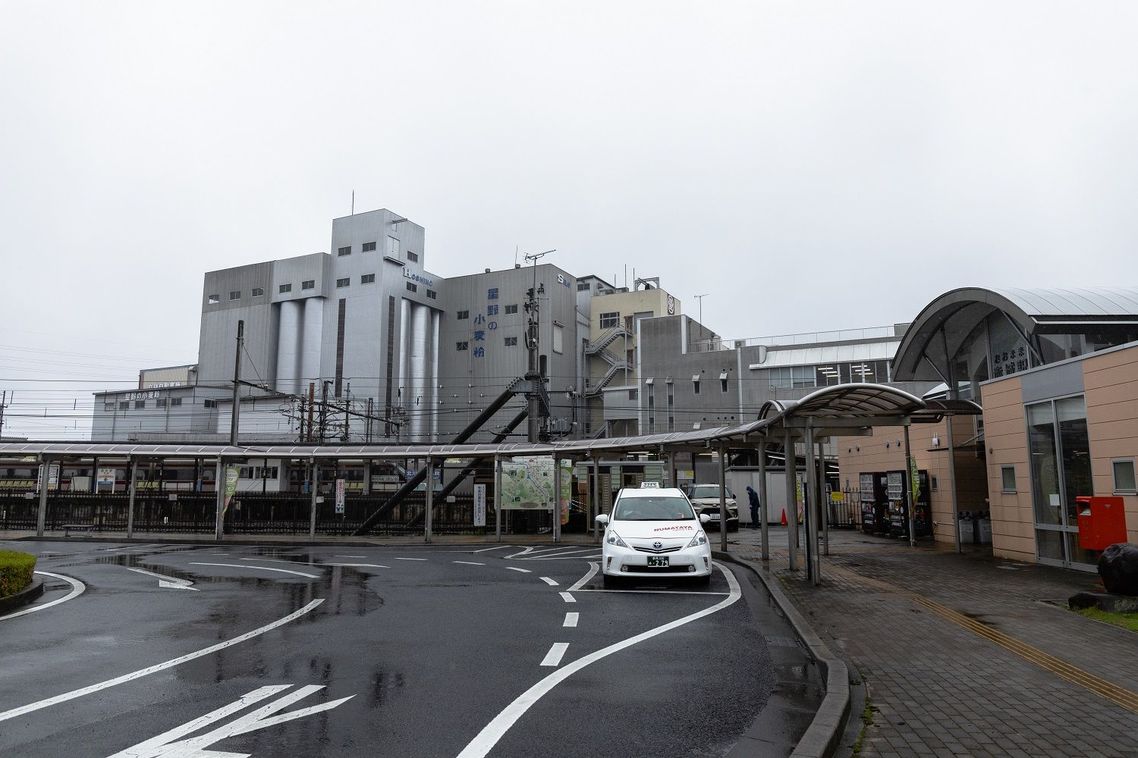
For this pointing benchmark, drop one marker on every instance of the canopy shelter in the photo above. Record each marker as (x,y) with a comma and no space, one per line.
(848,409)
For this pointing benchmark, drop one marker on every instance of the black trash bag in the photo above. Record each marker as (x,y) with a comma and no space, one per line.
(1118,567)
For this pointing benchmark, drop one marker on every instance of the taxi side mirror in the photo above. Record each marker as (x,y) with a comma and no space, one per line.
(704,518)
(602,519)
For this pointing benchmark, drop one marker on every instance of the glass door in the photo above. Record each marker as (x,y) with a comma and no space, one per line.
(1060,472)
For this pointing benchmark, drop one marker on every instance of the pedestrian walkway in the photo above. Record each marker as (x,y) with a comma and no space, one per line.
(966,654)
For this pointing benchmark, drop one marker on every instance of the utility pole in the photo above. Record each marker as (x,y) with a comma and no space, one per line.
(347,409)
(533,373)
(236,384)
(323,409)
(3,405)
(311,401)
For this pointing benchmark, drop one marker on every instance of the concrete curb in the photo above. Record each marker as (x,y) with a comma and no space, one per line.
(24,597)
(825,731)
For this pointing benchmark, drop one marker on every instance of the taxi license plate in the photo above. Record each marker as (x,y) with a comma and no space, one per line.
(714,516)
(657,561)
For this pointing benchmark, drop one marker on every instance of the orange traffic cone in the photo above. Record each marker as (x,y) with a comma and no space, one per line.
(783,520)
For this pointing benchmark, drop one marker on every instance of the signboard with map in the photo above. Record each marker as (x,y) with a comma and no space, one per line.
(527,483)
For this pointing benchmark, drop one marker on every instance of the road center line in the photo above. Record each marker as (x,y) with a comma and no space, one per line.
(469,563)
(550,582)
(40,704)
(555,654)
(262,568)
(520,570)
(493,732)
(568,598)
(349,556)
(410,559)
(571,620)
(77,588)
(357,565)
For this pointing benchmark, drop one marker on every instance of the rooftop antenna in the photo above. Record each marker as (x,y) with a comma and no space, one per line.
(353,202)
(516,256)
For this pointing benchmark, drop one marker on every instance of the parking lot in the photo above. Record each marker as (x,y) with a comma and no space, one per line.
(507,650)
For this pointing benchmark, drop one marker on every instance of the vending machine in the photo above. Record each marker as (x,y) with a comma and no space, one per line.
(898,510)
(872,494)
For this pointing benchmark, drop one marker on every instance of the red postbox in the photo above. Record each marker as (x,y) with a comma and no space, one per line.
(1102,521)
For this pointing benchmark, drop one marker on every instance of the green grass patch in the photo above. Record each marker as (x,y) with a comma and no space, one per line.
(1124,620)
(15,571)
(866,722)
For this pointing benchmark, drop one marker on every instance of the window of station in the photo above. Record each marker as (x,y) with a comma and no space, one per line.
(344,250)
(308,284)
(368,247)
(284,288)
(610,320)
(1124,480)
(213,299)
(343,282)
(412,287)
(511,308)
(367,279)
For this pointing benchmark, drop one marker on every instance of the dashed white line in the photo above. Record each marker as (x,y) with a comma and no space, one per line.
(555,654)
(469,563)
(358,565)
(550,582)
(519,570)
(410,559)
(77,588)
(571,619)
(494,731)
(349,556)
(568,598)
(593,569)
(40,704)
(262,568)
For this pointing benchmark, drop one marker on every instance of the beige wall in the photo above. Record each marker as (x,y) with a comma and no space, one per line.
(1111,385)
(1005,436)
(884,450)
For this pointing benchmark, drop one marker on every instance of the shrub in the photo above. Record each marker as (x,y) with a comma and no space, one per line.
(15,571)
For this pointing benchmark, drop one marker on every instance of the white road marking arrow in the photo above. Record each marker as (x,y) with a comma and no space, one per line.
(172,745)
(168,582)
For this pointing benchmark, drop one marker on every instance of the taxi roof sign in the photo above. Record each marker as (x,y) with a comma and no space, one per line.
(649,485)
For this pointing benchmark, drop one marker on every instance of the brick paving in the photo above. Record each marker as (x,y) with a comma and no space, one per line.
(942,690)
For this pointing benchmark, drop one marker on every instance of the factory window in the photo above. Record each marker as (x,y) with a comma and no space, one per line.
(413,257)
(558,339)
(108,406)
(160,402)
(344,282)
(214,299)
(463,315)
(367,279)
(175,401)
(511,341)
(511,309)
(788,377)
(257,292)
(284,288)
(582,286)
(492,293)
(344,250)
(412,287)
(432,294)
(124,405)
(235,295)
(462,345)
(610,320)
(368,247)
(695,384)
(210,403)
(139,405)
(308,284)
(392,246)
(722,381)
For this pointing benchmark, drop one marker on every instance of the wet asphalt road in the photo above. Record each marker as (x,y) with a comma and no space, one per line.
(397,651)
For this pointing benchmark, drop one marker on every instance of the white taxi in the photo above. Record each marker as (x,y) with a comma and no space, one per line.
(654,532)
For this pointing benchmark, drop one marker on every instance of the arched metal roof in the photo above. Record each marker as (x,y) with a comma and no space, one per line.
(958,312)
(845,401)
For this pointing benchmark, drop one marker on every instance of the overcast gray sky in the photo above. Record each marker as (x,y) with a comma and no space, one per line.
(809,165)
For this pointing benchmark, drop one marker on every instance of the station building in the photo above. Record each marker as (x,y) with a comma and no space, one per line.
(1056,374)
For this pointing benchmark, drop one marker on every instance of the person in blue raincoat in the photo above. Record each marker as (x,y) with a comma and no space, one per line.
(753,497)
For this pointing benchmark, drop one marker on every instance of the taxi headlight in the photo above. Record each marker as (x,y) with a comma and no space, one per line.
(614,539)
(700,538)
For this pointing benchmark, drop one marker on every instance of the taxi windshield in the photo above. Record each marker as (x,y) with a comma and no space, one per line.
(661,508)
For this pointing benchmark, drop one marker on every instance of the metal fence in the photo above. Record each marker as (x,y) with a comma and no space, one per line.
(263,513)
(846,514)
